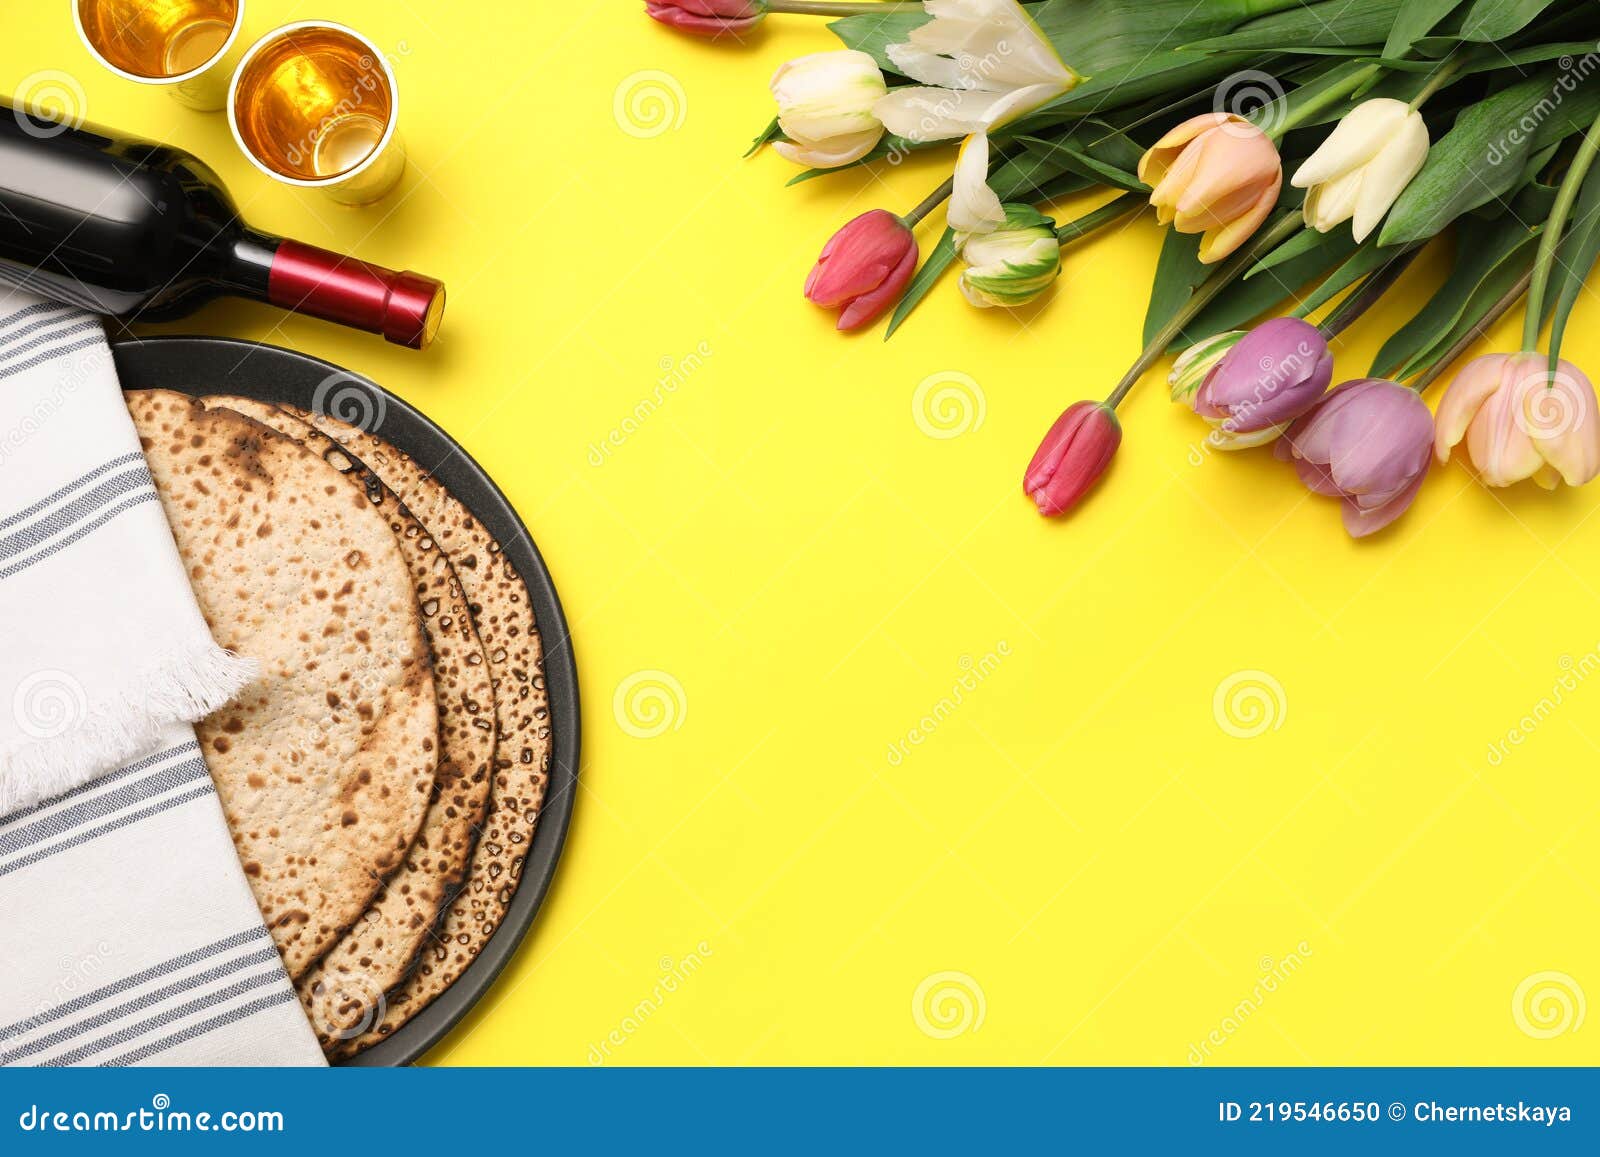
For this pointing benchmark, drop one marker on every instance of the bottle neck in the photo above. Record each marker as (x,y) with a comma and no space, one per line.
(404,307)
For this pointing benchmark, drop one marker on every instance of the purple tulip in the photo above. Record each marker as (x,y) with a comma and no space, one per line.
(1276,372)
(1368,443)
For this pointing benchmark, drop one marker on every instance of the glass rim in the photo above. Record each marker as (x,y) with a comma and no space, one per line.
(178,78)
(388,129)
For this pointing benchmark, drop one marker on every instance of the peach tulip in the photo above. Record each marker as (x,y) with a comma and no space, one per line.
(1520,421)
(1217,175)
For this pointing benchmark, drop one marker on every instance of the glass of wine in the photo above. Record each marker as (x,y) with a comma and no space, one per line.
(189,46)
(315,104)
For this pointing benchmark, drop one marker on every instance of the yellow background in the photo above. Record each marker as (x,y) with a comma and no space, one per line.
(1109,869)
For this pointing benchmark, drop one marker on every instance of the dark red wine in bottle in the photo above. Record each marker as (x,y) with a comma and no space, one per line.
(146,232)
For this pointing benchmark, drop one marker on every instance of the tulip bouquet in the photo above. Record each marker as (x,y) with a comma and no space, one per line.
(1395,121)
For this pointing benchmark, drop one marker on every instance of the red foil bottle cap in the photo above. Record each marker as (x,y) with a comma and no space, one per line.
(406,308)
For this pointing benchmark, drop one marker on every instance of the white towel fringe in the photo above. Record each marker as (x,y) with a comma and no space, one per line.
(182,687)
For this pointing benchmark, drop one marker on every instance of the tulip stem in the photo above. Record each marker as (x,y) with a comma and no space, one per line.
(1315,105)
(1280,230)
(830,8)
(1555,225)
(1443,75)
(1496,311)
(1372,289)
(929,203)
(1107,213)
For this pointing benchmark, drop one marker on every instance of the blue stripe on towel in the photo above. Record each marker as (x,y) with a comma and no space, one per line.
(115,988)
(99,807)
(200,1028)
(115,825)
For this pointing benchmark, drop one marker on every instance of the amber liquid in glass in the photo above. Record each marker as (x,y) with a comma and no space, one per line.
(158,39)
(313,104)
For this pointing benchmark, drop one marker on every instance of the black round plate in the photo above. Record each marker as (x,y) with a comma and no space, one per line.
(210,365)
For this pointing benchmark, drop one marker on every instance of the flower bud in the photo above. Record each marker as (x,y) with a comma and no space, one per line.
(1217,175)
(1367,444)
(864,268)
(1195,363)
(1271,376)
(1521,421)
(825,108)
(1073,455)
(707,17)
(1359,172)
(1014,264)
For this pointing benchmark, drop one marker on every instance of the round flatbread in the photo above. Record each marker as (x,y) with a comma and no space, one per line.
(325,765)
(505,620)
(343,992)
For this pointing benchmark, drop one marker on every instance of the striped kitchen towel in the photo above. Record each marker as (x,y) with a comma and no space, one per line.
(128,933)
(101,642)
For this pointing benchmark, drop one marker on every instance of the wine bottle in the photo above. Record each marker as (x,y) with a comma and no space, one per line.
(143,231)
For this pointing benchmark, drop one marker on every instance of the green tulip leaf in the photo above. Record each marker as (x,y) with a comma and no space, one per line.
(1482,247)
(1489,21)
(1302,242)
(1080,162)
(1483,297)
(1244,300)
(1178,274)
(1479,160)
(942,257)
(1491,60)
(1575,259)
(1413,21)
(770,133)
(1366,260)
(1328,24)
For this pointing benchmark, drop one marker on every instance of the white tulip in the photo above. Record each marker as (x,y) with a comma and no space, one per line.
(982,62)
(1362,168)
(974,207)
(1012,265)
(825,104)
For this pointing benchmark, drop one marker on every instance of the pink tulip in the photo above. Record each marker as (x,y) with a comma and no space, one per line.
(1521,422)
(707,17)
(864,268)
(1215,174)
(1072,456)
(1366,443)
